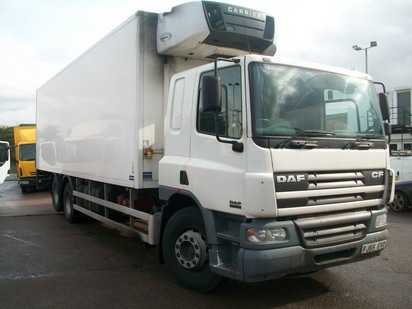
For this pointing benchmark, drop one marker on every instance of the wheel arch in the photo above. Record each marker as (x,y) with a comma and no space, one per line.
(405,195)
(178,201)
(65,180)
(185,250)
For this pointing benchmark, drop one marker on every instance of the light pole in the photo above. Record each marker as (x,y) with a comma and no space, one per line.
(358,48)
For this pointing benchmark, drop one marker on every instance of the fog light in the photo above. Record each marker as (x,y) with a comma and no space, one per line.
(381,220)
(266,235)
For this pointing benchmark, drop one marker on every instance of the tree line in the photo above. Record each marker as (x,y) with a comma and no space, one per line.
(6,134)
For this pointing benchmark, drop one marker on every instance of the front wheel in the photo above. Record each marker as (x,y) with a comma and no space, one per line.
(185,251)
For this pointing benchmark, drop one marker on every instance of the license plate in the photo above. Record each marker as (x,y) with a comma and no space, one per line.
(379,245)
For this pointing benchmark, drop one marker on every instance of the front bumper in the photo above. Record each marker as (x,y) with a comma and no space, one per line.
(31,182)
(275,263)
(339,239)
(27,182)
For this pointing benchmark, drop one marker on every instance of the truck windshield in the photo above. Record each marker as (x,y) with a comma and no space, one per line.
(28,152)
(287,100)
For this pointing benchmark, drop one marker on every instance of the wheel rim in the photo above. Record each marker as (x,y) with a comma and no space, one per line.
(191,250)
(398,203)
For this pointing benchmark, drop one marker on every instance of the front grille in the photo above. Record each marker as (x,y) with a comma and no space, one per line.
(331,190)
(332,229)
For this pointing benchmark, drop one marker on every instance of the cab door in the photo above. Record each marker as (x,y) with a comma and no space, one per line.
(215,172)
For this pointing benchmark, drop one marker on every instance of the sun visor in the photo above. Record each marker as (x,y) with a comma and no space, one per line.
(205,29)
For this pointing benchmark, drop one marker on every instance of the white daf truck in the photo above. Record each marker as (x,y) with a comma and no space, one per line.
(182,128)
(4,160)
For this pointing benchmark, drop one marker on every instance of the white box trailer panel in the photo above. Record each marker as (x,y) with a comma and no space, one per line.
(95,116)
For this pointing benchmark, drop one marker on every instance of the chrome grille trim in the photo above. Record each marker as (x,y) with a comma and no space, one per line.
(333,229)
(329,200)
(336,184)
(332,176)
(301,193)
(295,211)
(331,192)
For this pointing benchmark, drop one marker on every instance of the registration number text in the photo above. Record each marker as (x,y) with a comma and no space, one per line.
(379,245)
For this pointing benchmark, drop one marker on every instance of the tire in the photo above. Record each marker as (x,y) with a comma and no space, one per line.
(71,215)
(56,195)
(400,202)
(185,251)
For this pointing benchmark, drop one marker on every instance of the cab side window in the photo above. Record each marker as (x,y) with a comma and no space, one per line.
(230,116)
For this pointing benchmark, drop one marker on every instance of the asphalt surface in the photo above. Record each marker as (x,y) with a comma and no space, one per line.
(46,262)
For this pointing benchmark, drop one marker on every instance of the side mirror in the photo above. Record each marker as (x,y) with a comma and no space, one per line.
(211,94)
(384,106)
(388,128)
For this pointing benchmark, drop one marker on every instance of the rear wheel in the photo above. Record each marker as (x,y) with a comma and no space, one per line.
(70,213)
(185,251)
(400,202)
(55,194)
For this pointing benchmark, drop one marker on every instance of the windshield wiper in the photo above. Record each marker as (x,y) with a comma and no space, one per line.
(360,142)
(308,144)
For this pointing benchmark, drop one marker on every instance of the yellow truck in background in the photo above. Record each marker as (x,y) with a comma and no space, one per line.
(25,150)
(25,154)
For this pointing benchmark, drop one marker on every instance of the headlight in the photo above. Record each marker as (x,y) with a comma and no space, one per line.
(381,220)
(266,235)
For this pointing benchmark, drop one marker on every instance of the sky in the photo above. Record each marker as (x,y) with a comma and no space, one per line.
(38,38)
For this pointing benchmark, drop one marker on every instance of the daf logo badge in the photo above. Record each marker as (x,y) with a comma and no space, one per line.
(290,178)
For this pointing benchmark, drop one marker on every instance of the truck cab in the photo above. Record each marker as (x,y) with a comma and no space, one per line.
(25,151)
(287,160)
(4,160)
